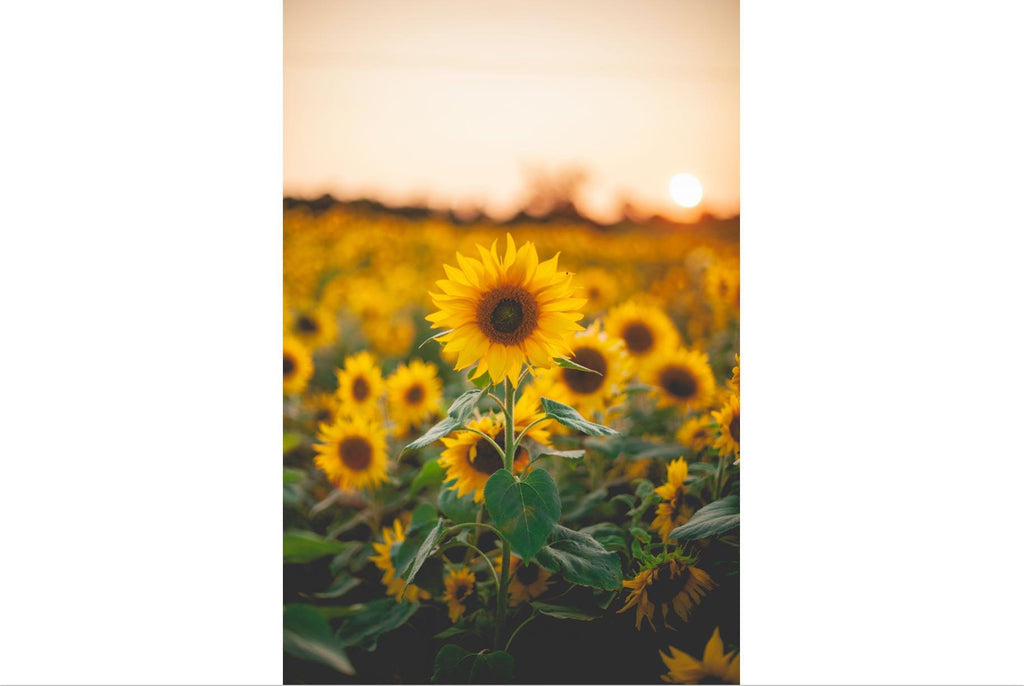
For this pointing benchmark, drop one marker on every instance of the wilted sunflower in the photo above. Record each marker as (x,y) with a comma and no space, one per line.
(503,311)
(586,391)
(717,667)
(676,506)
(682,378)
(315,326)
(695,433)
(670,583)
(298,366)
(393,537)
(360,385)
(470,459)
(414,394)
(646,331)
(458,586)
(352,453)
(728,418)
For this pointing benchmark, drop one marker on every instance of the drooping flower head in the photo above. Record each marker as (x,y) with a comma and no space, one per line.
(669,583)
(500,312)
(716,667)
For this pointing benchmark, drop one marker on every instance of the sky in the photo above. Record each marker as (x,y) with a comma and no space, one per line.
(452,103)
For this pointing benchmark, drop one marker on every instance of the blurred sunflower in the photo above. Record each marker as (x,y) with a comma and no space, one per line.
(695,433)
(503,311)
(352,453)
(458,586)
(728,417)
(298,366)
(717,666)
(470,459)
(669,583)
(646,331)
(734,382)
(675,508)
(393,537)
(414,394)
(360,385)
(586,391)
(527,582)
(682,378)
(322,407)
(599,288)
(316,326)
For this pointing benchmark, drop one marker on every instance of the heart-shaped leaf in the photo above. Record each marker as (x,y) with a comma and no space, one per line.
(524,510)
(579,558)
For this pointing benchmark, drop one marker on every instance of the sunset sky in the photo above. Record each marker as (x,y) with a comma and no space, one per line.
(449,102)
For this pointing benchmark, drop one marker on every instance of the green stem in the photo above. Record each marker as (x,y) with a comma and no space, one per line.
(528,427)
(518,628)
(489,439)
(457,544)
(506,549)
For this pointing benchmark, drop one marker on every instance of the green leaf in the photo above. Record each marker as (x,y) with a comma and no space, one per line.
(425,549)
(579,558)
(460,510)
(436,335)
(430,474)
(293,476)
(608,535)
(571,455)
(424,520)
(524,510)
(291,441)
(375,619)
(569,364)
(482,382)
(563,612)
(712,519)
(306,546)
(640,534)
(307,636)
(455,665)
(340,587)
(458,413)
(574,420)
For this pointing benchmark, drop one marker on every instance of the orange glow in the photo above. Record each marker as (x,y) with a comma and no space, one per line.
(449,102)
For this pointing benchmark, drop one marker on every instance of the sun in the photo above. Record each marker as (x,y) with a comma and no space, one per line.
(686,190)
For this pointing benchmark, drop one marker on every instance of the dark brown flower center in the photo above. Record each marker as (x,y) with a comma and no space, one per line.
(734,428)
(360,389)
(664,588)
(355,452)
(527,574)
(487,459)
(307,324)
(586,382)
(638,337)
(678,382)
(414,395)
(594,293)
(508,314)
(462,590)
(289,364)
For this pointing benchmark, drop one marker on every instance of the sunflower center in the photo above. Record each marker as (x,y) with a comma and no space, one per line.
(462,591)
(414,396)
(487,459)
(508,314)
(638,337)
(586,382)
(360,389)
(355,452)
(664,588)
(734,428)
(307,324)
(678,381)
(289,365)
(527,574)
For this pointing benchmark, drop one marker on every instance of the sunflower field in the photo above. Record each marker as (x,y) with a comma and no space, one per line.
(511,453)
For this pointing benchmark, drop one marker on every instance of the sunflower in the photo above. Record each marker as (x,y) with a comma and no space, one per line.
(315,326)
(458,586)
(599,288)
(586,391)
(695,433)
(322,407)
(734,382)
(395,586)
(683,378)
(298,365)
(352,453)
(414,394)
(470,459)
(717,667)
(669,583)
(728,418)
(676,505)
(500,312)
(526,582)
(646,331)
(360,385)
